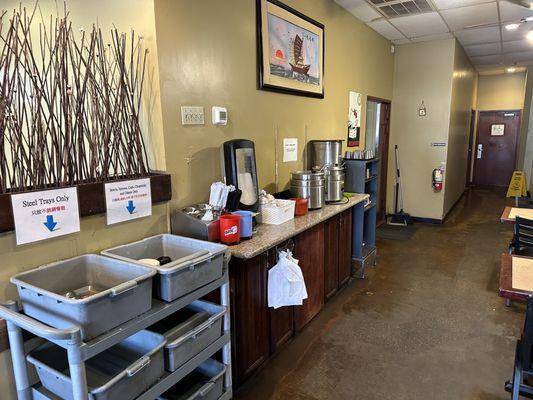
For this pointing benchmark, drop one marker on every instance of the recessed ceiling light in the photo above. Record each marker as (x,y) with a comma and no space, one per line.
(511,69)
(512,27)
(529,35)
(528,19)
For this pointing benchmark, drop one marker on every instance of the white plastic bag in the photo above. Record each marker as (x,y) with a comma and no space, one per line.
(286,284)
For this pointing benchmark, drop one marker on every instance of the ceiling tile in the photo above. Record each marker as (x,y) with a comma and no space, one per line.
(384,28)
(420,24)
(517,46)
(517,34)
(513,12)
(429,38)
(472,16)
(445,4)
(486,49)
(478,35)
(359,9)
(487,60)
(522,56)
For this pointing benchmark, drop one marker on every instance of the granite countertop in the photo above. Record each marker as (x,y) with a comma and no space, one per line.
(268,236)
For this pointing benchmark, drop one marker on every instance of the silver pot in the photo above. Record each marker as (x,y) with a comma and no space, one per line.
(309,185)
(324,153)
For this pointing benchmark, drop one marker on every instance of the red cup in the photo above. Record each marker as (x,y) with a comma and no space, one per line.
(229,228)
(300,207)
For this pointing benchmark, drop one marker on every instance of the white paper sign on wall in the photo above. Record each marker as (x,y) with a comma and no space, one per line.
(45,214)
(127,200)
(290,150)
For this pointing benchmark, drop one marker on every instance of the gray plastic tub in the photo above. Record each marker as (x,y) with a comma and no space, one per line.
(93,292)
(206,382)
(122,372)
(194,263)
(189,331)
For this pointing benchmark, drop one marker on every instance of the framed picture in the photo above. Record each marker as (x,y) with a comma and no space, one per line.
(290,50)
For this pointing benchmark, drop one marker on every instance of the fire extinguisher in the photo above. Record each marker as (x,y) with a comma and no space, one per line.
(437,178)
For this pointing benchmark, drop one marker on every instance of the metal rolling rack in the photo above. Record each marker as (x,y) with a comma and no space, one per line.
(78,351)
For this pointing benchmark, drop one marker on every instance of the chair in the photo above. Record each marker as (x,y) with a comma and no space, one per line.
(522,243)
(523,366)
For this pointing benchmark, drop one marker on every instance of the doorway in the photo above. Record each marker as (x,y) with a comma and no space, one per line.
(495,151)
(377,138)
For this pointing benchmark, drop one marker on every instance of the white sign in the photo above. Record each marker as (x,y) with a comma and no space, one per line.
(290,150)
(45,214)
(497,129)
(127,200)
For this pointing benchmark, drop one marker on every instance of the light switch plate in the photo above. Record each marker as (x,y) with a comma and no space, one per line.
(192,115)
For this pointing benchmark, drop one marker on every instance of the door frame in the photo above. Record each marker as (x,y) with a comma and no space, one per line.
(471,147)
(474,150)
(382,190)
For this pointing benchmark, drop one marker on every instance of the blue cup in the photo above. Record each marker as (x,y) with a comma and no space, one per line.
(246,223)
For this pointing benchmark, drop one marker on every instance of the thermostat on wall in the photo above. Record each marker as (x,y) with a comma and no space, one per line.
(220,116)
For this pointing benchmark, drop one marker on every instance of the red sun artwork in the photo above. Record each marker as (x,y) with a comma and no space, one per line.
(279,55)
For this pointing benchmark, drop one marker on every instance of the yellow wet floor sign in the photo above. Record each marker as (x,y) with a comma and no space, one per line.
(517,186)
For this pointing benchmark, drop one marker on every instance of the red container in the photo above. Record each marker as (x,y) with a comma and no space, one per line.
(301,206)
(229,228)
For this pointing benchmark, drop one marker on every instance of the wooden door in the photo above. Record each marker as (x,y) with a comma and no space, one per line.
(331,256)
(495,151)
(310,251)
(345,247)
(281,319)
(250,316)
(383,153)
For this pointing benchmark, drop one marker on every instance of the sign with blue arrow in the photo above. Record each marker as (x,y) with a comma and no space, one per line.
(127,200)
(45,214)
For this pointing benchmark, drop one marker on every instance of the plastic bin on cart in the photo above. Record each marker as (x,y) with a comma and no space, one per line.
(93,292)
(194,263)
(123,371)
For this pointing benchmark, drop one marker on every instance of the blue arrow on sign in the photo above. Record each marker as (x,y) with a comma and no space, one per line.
(130,207)
(50,224)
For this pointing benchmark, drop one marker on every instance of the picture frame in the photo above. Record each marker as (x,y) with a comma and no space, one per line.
(290,50)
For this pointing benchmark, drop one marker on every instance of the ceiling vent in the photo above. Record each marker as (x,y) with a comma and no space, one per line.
(397,8)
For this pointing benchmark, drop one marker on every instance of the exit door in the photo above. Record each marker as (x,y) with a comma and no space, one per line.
(495,151)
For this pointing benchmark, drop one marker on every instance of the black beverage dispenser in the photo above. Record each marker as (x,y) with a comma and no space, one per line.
(239,170)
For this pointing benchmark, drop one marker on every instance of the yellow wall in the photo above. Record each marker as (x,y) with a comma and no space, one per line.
(501,92)
(463,97)
(422,72)
(212,61)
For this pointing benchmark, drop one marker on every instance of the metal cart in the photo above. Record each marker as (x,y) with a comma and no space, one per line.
(78,351)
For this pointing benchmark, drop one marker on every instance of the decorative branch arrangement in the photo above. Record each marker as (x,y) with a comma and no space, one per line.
(69,104)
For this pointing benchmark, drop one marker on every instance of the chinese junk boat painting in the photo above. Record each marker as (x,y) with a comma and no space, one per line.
(291,49)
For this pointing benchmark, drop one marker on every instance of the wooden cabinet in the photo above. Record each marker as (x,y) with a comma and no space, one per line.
(281,319)
(249,315)
(337,252)
(345,246)
(309,250)
(331,256)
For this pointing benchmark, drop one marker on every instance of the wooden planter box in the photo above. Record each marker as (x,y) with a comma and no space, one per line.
(91,198)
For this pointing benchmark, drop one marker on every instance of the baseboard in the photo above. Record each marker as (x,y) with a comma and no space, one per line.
(434,221)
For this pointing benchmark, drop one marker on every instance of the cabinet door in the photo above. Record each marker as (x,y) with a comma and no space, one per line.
(281,319)
(345,246)
(331,256)
(310,251)
(250,317)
